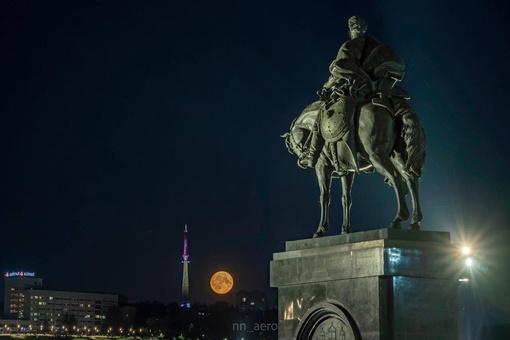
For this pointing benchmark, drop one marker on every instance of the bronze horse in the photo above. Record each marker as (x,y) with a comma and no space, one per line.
(375,139)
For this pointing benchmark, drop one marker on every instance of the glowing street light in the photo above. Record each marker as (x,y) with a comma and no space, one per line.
(466,250)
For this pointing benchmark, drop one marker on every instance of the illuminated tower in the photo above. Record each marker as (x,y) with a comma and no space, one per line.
(185,261)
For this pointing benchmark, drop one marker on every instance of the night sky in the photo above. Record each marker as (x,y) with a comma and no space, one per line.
(124,120)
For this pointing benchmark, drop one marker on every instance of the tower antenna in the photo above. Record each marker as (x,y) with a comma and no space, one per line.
(185,281)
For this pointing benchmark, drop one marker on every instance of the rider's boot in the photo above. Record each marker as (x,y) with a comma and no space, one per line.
(311,156)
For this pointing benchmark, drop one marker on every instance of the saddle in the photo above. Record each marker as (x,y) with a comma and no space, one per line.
(384,98)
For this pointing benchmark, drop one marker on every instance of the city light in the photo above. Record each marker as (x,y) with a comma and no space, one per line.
(466,250)
(469,262)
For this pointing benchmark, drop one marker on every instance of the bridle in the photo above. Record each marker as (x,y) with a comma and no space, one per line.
(300,146)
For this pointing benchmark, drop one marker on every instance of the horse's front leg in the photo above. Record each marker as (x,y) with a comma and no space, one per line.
(347,181)
(323,173)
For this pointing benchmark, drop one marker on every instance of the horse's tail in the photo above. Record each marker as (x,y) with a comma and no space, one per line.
(415,142)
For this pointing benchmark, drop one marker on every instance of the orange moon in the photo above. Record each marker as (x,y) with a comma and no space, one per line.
(221,282)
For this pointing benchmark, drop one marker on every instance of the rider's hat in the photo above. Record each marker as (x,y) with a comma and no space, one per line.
(358,24)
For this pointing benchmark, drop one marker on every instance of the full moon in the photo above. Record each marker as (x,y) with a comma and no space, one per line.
(221,282)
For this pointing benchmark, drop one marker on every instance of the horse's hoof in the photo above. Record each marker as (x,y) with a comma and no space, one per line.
(414,226)
(318,234)
(395,225)
(321,231)
(346,230)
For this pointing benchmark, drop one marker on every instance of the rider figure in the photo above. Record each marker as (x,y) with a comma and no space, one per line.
(366,69)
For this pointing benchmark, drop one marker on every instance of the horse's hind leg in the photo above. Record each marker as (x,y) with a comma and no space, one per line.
(347,181)
(377,135)
(412,186)
(412,183)
(385,167)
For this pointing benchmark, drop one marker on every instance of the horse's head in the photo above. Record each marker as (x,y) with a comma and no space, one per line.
(295,140)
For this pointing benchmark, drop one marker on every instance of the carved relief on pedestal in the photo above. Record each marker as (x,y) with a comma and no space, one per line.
(328,321)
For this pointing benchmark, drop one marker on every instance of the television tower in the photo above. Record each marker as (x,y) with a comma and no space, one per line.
(185,261)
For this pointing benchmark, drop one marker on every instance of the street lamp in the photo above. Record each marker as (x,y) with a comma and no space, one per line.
(473,265)
(467,264)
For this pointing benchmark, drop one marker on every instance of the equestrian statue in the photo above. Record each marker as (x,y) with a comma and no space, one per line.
(362,123)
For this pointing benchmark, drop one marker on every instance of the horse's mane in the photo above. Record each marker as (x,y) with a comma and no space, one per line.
(307,118)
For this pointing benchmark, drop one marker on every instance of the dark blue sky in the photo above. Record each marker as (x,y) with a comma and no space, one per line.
(123,120)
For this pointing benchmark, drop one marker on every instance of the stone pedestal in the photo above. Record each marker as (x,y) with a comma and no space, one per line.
(379,284)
